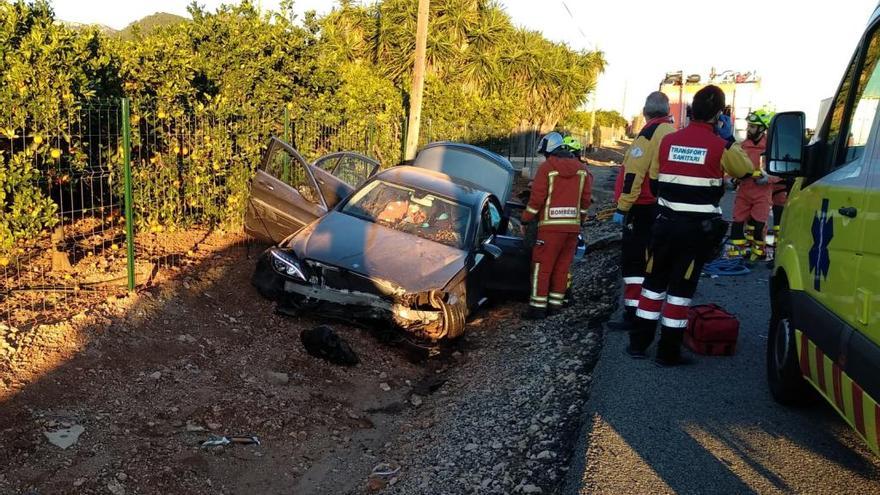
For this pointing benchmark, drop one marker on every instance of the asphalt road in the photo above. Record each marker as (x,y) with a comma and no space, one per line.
(712,427)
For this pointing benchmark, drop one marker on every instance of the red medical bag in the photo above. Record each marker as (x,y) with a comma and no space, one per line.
(711,330)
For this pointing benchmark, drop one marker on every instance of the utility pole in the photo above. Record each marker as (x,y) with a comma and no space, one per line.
(418,82)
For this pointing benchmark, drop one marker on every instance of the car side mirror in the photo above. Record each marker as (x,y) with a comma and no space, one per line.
(785,144)
(491,249)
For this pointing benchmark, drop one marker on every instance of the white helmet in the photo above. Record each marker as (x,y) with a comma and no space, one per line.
(550,142)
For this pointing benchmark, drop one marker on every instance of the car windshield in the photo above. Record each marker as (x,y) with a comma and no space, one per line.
(412,211)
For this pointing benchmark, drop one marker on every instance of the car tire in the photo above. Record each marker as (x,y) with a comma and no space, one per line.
(787,384)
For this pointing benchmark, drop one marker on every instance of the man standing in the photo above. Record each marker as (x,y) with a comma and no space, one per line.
(754,194)
(560,197)
(636,203)
(688,228)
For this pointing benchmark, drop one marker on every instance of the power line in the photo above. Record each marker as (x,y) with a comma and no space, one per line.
(571,15)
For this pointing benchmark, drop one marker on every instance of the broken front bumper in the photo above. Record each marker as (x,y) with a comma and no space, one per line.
(370,305)
(335,292)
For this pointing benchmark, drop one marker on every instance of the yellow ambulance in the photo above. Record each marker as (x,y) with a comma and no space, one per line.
(825,325)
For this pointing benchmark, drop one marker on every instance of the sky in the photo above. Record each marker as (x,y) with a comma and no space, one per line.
(799,47)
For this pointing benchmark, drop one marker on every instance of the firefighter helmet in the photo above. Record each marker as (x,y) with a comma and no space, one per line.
(572,143)
(550,142)
(760,117)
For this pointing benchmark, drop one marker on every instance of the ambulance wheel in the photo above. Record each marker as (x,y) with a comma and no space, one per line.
(787,384)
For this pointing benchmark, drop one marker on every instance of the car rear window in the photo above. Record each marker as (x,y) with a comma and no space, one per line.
(413,211)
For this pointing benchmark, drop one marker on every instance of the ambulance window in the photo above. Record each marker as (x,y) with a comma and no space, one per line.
(866,99)
(837,110)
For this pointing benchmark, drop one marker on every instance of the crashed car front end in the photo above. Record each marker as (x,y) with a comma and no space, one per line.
(434,313)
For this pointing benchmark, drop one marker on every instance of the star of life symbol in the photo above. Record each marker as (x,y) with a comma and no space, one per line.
(820,259)
(636,152)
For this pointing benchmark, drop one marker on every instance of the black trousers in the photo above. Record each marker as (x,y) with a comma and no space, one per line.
(679,248)
(634,252)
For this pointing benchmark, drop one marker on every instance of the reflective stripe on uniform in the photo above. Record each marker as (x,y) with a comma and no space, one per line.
(551,178)
(673,323)
(689,181)
(633,280)
(632,303)
(531,210)
(535,270)
(678,301)
(654,296)
(648,315)
(556,295)
(688,207)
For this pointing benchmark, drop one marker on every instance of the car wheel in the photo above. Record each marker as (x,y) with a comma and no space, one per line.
(787,384)
(455,311)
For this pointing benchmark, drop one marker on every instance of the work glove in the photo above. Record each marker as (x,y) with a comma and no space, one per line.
(725,127)
(618,218)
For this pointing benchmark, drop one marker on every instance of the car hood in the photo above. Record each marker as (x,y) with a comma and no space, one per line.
(407,261)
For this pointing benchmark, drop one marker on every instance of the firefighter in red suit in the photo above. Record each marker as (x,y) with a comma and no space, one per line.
(751,210)
(688,229)
(560,197)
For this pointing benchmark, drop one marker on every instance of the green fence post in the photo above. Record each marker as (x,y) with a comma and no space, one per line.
(286,125)
(126,163)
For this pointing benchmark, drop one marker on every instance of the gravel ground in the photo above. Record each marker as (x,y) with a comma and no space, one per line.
(507,420)
(713,427)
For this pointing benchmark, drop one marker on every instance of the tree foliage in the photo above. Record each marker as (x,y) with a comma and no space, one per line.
(206,93)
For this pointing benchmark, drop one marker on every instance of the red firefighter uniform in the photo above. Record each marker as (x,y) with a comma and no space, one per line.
(687,230)
(635,199)
(752,204)
(561,195)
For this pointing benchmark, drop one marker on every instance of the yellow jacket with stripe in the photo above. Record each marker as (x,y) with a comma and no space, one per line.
(641,165)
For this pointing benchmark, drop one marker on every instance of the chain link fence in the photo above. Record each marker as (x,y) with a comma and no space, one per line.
(117,191)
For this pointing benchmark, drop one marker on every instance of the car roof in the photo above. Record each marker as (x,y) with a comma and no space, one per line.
(436,182)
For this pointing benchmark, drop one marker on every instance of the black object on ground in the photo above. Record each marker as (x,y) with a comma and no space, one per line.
(322,342)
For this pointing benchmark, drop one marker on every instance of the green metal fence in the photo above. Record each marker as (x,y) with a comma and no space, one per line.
(116,191)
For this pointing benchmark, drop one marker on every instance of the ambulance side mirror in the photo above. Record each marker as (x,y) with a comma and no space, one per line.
(785,144)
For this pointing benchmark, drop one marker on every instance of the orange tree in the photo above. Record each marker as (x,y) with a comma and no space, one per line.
(47,70)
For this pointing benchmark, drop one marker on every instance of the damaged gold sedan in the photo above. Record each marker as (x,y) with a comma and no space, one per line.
(420,246)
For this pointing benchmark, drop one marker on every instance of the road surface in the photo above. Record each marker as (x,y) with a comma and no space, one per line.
(712,427)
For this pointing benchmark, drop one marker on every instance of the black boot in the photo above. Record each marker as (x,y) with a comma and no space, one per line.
(569,298)
(669,349)
(640,338)
(626,322)
(534,313)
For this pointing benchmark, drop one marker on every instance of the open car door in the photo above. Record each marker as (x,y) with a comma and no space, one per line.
(352,168)
(287,194)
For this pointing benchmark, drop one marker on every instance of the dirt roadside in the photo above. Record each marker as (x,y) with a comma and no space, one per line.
(151,376)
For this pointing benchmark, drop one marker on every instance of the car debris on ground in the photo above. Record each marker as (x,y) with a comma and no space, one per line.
(218,441)
(322,342)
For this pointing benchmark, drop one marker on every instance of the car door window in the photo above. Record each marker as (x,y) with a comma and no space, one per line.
(285,167)
(327,163)
(354,170)
(490,220)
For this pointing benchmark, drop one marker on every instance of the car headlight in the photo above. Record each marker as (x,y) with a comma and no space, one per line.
(286,264)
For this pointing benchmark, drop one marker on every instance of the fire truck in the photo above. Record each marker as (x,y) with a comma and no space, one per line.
(741,89)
